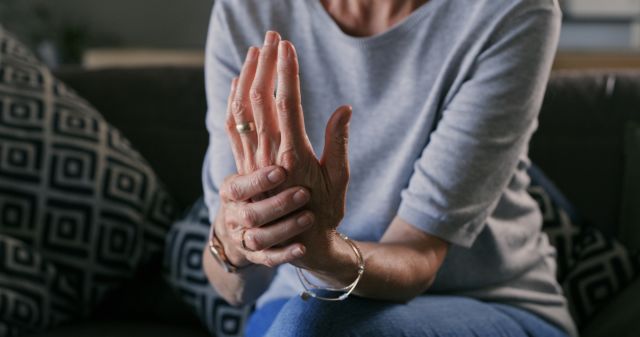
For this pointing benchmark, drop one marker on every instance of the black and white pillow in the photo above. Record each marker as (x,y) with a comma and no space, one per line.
(592,268)
(603,268)
(83,205)
(183,270)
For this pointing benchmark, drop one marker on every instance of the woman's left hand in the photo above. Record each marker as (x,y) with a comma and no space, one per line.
(282,140)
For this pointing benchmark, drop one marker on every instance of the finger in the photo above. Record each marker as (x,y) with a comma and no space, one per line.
(276,256)
(279,232)
(259,213)
(234,137)
(244,187)
(336,145)
(288,100)
(241,107)
(262,100)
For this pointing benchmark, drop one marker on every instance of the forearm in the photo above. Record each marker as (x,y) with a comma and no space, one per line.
(242,287)
(406,260)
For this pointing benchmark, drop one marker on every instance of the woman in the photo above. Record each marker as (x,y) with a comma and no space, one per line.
(444,96)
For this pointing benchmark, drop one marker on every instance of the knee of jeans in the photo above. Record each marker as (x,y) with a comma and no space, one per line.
(306,318)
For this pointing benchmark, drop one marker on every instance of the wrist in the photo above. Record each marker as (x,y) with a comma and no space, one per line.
(338,265)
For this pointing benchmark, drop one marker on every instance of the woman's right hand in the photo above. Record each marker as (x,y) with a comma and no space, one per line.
(265,225)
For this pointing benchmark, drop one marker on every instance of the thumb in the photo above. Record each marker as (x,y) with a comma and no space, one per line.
(335,155)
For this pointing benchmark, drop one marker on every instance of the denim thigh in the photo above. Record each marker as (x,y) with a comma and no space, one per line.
(429,316)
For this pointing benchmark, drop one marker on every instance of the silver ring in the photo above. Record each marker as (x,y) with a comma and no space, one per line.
(245,127)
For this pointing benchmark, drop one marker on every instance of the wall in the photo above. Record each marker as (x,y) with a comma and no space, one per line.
(139,23)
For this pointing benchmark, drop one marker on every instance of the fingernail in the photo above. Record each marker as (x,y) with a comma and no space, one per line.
(300,196)
(275,176)
(252,54)
(298,252)
(304,220)
(270,38)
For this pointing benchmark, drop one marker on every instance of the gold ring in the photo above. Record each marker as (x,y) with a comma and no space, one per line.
(245,127)
(244,245)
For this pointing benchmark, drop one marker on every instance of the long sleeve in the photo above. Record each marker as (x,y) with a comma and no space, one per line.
(484,129)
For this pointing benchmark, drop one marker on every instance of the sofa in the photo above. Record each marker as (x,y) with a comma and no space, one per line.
(579,145)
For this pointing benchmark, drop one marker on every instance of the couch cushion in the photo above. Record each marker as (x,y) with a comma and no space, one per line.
(73,191)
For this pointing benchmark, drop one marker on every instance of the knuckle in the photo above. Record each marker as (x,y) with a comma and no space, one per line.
(257,95)
(280,204)
(341,140)
(230,125)
(289,160)
(285,103)
(269,261)
(257,182)
(231,226)
(232,191)
(248,216)
(238,108)
(311,216)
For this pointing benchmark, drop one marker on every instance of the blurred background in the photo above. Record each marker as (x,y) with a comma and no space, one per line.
(97,33)
(93,33)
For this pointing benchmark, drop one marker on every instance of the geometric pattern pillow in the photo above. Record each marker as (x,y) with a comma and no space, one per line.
(74,193)
(21,310)
(592,268)
(183,271)
(603,268)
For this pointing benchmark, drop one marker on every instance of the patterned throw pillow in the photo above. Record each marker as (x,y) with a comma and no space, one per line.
(183,271)
(80,210)
(592,268)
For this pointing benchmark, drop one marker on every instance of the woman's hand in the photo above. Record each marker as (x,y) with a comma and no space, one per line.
(259,214)
(411,256)
(281,139)
(264,224)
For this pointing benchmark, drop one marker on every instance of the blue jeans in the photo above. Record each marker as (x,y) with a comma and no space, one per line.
(429,316)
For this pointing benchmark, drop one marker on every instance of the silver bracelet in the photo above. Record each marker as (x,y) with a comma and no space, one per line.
(310,288)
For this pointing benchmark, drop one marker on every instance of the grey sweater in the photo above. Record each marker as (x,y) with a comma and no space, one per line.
(444,104)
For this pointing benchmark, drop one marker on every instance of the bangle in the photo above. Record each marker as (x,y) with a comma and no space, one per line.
(310,289)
